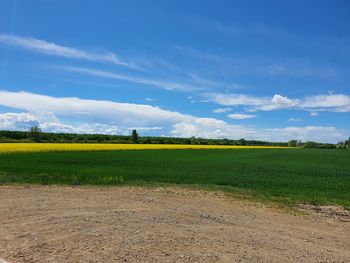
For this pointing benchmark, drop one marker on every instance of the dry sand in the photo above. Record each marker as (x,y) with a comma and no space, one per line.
(125,224)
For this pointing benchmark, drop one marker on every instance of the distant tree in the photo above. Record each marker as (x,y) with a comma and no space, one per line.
(193,140)
(292,143)
(341,145)
(134,136)
(35,133)
(309,145)
(347,142)
(242,142)
(225,141)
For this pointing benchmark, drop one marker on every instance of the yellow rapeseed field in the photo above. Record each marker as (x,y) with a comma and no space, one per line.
(47,147)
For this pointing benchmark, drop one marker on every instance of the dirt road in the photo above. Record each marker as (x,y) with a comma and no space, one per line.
(122,224)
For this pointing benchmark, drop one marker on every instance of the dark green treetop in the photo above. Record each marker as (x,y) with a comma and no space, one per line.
(134,136)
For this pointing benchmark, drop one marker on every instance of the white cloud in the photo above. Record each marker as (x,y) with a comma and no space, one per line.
(295,119)
(22,121)
(222,110)
(108,117)
(212,128)
(330,102)
(240,116)
(260,103)
(150,99)
(279,102)
(146,128)
(313,114)
(48,48)
(93,128)
(236,99)
(125,114)
(167,85)
(59,127)
(308,133)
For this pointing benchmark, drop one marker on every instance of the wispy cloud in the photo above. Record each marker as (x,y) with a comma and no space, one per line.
(48,48)
(279,36)
(167,85)
(236,99)
(295,119)
(211,84)
(191,74)
(222,110)
(150,99)
(259,66)
(252,30)
(240,116)
(197,53)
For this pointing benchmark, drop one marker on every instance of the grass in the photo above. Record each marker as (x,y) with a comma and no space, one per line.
(286,176)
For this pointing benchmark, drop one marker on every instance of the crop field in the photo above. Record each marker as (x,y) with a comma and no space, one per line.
(48,147)
(284,175)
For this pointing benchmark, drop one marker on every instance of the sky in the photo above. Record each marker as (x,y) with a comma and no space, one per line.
(263,70)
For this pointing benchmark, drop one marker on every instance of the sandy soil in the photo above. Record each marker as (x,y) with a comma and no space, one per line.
(90,224)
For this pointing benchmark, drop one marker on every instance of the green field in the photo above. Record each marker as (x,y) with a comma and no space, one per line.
(283,175)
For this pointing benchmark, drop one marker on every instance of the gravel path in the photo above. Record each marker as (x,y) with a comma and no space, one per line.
(125,224)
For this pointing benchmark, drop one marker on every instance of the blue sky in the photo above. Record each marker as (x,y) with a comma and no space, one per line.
(267,70)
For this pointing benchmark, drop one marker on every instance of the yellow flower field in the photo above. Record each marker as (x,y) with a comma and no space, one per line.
(47,147)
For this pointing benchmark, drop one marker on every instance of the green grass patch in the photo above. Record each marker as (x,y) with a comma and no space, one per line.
(283,175)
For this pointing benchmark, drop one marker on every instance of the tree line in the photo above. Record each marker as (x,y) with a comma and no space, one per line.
(36,135)
(316,145)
